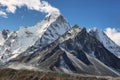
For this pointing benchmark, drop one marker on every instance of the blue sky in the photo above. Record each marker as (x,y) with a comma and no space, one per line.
(85,13)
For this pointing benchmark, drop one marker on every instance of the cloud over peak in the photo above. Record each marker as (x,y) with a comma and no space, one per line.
(12,5)
(113,34)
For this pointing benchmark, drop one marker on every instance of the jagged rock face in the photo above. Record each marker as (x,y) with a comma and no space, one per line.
(58,28)
(76,51)
(93,47)
(51,45)
(106,41)
(4,35)
(40,35)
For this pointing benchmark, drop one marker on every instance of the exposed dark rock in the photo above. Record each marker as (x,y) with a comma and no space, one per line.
(5,33)
(78,52)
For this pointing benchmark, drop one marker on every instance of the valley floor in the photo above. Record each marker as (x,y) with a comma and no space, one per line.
(11,74)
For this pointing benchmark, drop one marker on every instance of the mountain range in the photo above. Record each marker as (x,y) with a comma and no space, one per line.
(53,45)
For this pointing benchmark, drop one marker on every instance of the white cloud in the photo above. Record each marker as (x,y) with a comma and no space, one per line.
(12,5)
(113,34)
(3,14)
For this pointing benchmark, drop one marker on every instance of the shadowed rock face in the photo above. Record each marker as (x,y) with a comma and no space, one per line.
(90,44)
(106,41)
(5,33)
(74,52)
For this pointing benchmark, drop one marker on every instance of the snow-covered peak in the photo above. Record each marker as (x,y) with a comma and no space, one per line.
(41,26)
(55,30)
(43,33)
(53,15)
(106,41)
(27,36)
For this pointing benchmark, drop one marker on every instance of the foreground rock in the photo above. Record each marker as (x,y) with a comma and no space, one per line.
(11,74)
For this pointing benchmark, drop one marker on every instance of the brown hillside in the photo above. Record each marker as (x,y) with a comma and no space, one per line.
(11,74)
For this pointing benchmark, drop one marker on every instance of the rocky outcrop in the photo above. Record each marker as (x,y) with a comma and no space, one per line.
(74,52)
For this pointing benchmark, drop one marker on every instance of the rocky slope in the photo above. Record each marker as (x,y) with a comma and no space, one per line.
(74,52)
(4,36)
(106,41)
(51,45)
(11,74)
(43,33)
